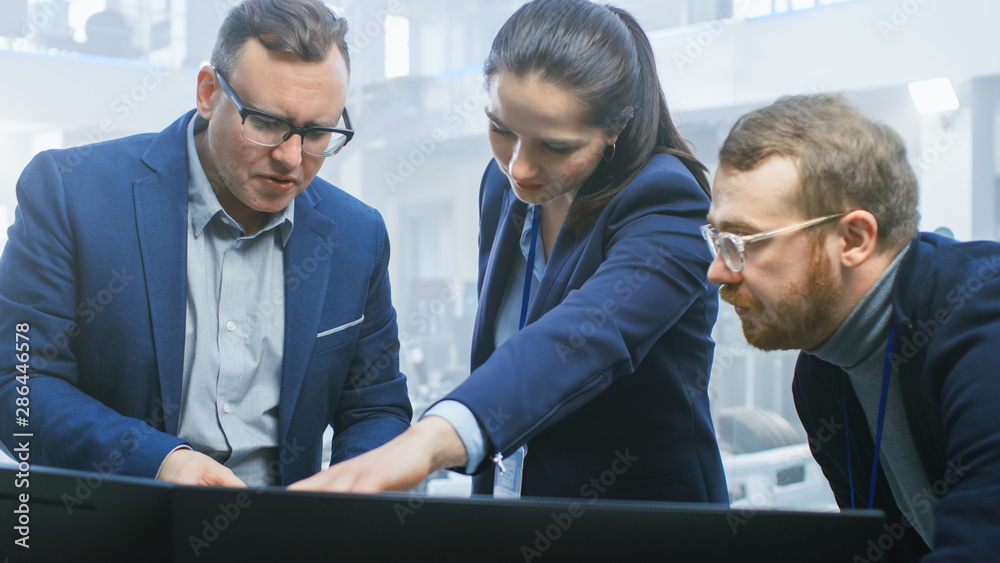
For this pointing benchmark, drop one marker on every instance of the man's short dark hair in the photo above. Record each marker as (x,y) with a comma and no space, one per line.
(305,28)
(845,160)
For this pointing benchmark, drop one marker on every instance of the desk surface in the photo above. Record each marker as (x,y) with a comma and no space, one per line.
(78,516)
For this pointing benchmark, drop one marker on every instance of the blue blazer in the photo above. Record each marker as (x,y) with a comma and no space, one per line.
(607,382)
(95,267)
(946,318)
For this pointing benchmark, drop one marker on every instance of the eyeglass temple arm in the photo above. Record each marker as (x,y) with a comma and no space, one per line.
(768,234)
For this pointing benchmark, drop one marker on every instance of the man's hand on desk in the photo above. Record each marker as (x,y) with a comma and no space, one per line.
(399,465)
(188,467)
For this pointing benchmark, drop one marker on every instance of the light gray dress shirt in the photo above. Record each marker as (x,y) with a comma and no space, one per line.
(234,339)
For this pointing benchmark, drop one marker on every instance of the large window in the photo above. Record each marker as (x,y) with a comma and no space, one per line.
(758,8)
(129,29)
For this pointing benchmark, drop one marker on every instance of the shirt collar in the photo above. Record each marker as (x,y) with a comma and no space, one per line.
(203,205)
(539,265)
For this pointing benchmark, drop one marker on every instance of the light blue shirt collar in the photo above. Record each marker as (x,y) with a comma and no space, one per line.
(539,265)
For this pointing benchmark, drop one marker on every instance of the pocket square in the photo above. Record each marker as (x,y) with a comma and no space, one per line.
(341,327)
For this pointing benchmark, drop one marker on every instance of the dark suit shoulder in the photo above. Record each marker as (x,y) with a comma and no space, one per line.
(119,162)
(113,157)
(935,266)
(664,186)
(666,178)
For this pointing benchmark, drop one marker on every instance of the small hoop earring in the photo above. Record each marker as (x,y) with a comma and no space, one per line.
(614,148)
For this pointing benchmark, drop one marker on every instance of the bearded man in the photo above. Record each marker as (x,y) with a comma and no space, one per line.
(813,226)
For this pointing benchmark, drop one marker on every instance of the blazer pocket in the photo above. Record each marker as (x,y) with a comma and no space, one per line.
(336,336)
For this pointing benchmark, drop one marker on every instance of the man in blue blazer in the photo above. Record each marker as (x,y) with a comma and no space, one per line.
(194,305)
(814,223)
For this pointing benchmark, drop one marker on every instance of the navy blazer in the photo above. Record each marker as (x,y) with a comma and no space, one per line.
(946,318)
(607,382)
(95,271)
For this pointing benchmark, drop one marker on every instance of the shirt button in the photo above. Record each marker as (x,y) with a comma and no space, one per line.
(230,326)
(225,408)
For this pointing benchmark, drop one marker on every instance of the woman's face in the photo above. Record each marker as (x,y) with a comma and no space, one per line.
(540,140)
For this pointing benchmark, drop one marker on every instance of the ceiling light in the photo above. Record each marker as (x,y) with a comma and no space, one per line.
(935,95)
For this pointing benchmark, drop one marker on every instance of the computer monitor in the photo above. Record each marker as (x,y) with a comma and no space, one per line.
(79,516)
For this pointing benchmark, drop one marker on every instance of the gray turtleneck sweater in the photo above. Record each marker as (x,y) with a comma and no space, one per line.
(859,348)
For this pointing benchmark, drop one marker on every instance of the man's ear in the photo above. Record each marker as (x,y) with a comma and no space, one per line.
(858,231)
(208,86)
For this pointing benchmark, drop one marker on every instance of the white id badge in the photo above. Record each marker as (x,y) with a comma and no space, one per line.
(508,473)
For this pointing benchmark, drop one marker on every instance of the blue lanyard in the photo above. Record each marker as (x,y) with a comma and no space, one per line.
(536,214)
(886,370)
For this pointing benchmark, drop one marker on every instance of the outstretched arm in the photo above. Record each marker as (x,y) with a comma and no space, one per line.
(399,465)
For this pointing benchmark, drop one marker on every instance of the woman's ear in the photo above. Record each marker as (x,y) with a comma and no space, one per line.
(620,126)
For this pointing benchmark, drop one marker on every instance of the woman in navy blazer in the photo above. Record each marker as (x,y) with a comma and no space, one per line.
(606,383)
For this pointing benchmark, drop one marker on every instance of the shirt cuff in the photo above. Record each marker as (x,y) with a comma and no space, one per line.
(180,447)
(465,423)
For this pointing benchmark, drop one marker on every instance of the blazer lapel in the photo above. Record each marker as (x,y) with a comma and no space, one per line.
(305,293)
(565,253)
(161,220)
(497,274)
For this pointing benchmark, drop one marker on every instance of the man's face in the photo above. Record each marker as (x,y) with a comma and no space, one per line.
(250,180)
(786,293)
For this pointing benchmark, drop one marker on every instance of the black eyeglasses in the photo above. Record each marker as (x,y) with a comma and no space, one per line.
(732,247)
(269,130)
